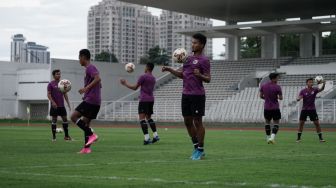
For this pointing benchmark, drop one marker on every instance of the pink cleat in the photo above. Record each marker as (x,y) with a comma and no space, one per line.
(92,139)
(85,151)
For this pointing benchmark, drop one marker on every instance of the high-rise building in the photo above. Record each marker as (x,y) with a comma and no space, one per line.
(29,52)
(171,22)
(126,30)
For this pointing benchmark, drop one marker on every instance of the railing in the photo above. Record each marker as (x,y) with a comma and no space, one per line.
(246,111)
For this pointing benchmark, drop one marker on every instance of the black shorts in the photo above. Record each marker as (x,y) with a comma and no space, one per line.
(311,113)
(145,108)
(193,105)
(59,111)
(88,110)
(272,114)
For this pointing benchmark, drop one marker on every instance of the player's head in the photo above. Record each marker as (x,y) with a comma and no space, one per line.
(274,77)
(310,82)
(56,74)
(84,56)
(149,67)
(198,42)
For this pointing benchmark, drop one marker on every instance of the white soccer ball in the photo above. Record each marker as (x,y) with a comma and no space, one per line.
(64,85)
(180,55)
(59,130)
(129,67)
(318,79)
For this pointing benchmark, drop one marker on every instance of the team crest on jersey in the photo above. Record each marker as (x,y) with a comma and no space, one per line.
(195,62)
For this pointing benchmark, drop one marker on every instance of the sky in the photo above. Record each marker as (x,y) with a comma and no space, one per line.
(60,25)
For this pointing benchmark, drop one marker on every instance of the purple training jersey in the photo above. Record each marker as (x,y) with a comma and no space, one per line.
(56,94)
(93,96)
(147,83)
(193,85)
(271,91)
(308,96)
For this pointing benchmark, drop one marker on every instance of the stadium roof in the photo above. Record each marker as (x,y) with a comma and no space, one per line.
(245,10)
(266,28)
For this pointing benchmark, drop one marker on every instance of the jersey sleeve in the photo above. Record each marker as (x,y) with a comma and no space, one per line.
(279,91)
(49,88)
(301,93)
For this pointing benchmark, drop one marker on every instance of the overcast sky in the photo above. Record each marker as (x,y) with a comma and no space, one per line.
(60,25)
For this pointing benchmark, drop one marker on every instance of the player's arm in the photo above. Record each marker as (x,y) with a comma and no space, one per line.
(126,84)
(176,73)
(95,81)
(261,95)
(204,77)
(323,86)
(67,100)
(299,98)
(53,103)
(280,97)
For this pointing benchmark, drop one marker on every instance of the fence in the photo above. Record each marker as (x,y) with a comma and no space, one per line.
(216,111)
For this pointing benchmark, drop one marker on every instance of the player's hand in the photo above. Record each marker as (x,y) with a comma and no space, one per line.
(122,81)
(164,69)
(53,104)
(69,107)
(197,72)
(83,90)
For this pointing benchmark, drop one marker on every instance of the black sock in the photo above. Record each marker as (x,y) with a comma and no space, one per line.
(86,139)
(144,126)
(200,147)
(80,123)
(320,136)
(65,128)
(152,124)
(299,135)
(53,128)
(195,142)
(268,130)
(275,129)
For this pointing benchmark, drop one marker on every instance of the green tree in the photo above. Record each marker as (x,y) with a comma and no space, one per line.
(106,57)
(329,43)
(290,45)
(250,47)
(155,55)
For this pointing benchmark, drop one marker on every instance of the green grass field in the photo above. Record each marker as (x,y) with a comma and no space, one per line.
(233,159)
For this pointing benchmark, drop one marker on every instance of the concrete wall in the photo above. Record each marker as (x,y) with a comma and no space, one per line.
(308,69)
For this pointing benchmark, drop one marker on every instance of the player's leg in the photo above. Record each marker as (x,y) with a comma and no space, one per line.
(53,127)
(276,116)
(144,128)
(314,117)
(152,125)
(302,120)
(188,119)
(65,124)
(200,131)
(267,117)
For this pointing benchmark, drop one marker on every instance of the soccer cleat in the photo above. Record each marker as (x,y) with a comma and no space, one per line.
(67,138)
(155,139)
(321,140)
(53,140)
(85,151)
(271,141)
(146,142)
(298,141)
(198,155)
(92,139)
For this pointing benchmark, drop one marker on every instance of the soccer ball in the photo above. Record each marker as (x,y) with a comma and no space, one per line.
(64,86)
(59,130)
(318,79)
(129,67)
(180,55)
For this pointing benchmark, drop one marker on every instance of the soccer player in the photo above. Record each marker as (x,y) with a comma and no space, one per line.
(89,108)
(308,95)
(56,98)
(195,71)
(271,93)
(146,102)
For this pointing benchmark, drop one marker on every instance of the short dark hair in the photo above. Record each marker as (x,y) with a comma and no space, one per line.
(200,37)
(55,71)
(312,79)
(85,53)
(150,66)
(273,75)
